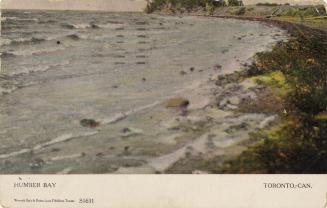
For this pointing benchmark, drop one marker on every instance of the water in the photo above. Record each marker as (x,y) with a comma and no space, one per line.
(60,67)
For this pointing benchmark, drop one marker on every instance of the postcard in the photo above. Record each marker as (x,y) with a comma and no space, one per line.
(166,103)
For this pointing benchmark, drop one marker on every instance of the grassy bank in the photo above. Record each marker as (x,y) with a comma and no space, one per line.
(295,72)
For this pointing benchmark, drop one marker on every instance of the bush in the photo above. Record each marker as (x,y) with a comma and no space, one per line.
(241,11)
(209,5)
(299,145)
(267,4)
(235,3)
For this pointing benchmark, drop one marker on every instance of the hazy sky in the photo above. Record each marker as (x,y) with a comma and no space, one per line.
(112,5)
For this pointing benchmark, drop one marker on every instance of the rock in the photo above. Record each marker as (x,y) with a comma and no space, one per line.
(177,102)
(58,42)
(213,78)
(55,150)
(89,123)
(234,100)
(217,67)
(127,132)
(182,73)
(94,26)
(37,163)
(100,154)
(231,107)
(192,69)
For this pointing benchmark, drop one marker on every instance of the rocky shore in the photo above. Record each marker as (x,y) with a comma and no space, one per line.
(285,130)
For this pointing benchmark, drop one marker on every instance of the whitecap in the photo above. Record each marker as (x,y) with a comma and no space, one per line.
(62,138)
(76,26)
(36,51)
(122,115)
(4,41)
(41,68)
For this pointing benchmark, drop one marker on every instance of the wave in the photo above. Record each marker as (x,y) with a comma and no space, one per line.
(16,19)
(108,26)
(60,139)
(91,25)
(6,90)
(35,51)
(8,18)
(74,37)
(47,21)
(22,41)
(43,68)
(80,26)
(122,115)
(7,54)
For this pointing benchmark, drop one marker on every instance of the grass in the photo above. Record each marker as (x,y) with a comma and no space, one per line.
(276,80)
(298,144)
(310,21)
(188,5)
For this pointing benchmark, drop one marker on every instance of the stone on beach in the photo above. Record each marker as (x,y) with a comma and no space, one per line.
(177,102)
(182,73)
(37,163)
(91,123)
(217,67)
(128,132)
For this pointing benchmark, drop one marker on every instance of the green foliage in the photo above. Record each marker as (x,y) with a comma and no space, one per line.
(241,11)
(187,4)
(267,4)
(299,146)
(306,11)
(209,5)
(235,3)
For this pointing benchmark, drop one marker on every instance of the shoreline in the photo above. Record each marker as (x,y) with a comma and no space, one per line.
(237,163)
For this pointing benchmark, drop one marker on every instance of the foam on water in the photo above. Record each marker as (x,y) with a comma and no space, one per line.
(113,68)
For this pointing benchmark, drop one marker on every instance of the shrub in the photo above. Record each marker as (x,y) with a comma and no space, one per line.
(299,145)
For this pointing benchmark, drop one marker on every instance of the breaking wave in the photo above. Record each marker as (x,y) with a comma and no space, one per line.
(80,26)
(74,37)
(33,51)
(20,41)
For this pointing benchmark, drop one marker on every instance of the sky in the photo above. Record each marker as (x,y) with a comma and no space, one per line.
(109,5)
